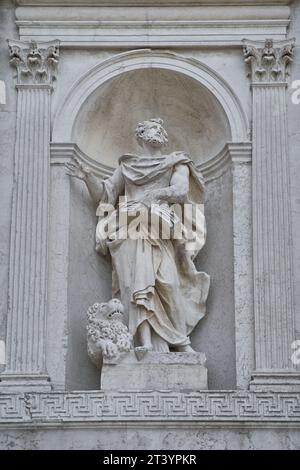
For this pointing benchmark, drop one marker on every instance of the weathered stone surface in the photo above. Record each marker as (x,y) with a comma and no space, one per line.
(107,336)
(156,371)
(211,407)
(153,270)
(269,63)
(199,437)
(36,67)
(97,95)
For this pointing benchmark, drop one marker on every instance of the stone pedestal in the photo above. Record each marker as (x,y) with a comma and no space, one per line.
(156,371)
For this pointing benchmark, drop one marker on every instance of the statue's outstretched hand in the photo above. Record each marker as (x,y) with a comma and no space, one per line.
(77,170)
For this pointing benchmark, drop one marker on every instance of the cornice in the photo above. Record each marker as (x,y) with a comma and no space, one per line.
(150,2)
(186,25)
(61,153)
(211,169)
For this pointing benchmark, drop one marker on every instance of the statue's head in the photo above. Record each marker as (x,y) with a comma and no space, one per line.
(151,132)
(106,311)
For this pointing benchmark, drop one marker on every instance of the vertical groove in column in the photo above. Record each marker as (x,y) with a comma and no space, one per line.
(258,163)
(34,249)
(287,211)
(259,241)
(28,215)
(41,233)
(37,292)
(46,163)
(284,229)
(274,229)
(256,291)
(265,226)
(21,237)
(271,229)
(43,213)
(13,278)
(279,215)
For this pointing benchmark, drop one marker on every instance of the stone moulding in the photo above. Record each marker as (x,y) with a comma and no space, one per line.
(73,34)
(211,169)
(152,406)
(148,2)
(62,153)
(153,23)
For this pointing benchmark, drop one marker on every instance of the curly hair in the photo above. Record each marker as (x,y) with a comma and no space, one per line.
(145,125)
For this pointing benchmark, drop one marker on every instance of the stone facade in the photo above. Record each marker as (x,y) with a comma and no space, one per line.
(74,81)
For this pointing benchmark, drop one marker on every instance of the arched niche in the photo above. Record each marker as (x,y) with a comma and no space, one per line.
(202,114)
(82,90)
(194,119)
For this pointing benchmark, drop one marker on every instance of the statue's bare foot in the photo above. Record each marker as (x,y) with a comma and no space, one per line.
(186,348)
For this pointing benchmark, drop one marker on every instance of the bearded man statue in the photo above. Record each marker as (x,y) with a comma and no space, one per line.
(153,275)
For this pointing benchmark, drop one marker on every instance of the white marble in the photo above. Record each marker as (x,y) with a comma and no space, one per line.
(155,371)
(153,272)
(202,132)
(182,61)
(107,336)
(36,67)
(269,68)
(152,24)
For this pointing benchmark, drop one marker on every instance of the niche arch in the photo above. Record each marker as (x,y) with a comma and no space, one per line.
(106,70)
(85,268)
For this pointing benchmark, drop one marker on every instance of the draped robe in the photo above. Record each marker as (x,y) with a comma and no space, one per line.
(155,278)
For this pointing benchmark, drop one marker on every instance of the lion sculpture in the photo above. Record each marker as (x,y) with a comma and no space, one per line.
(107,336)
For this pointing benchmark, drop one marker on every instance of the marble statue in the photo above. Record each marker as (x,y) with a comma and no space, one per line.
(155,277)
(107,335)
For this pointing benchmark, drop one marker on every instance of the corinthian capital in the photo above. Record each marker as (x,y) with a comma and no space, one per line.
(36,63)
(268,61)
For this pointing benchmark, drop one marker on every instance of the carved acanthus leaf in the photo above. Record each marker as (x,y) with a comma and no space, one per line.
(36,63)
(268,61)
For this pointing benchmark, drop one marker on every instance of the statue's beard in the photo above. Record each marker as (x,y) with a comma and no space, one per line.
(155,141)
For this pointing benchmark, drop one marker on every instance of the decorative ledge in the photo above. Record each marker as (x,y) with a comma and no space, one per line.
(151,406)
(151,23)
(149,2)
(211,169)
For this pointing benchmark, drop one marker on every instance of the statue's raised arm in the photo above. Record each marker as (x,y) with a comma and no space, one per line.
(107,190)
(78,170)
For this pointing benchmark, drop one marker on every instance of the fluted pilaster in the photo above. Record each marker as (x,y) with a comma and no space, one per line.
(273,297)
(26,326)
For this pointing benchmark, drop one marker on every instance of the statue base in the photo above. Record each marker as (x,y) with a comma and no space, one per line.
(155,371)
